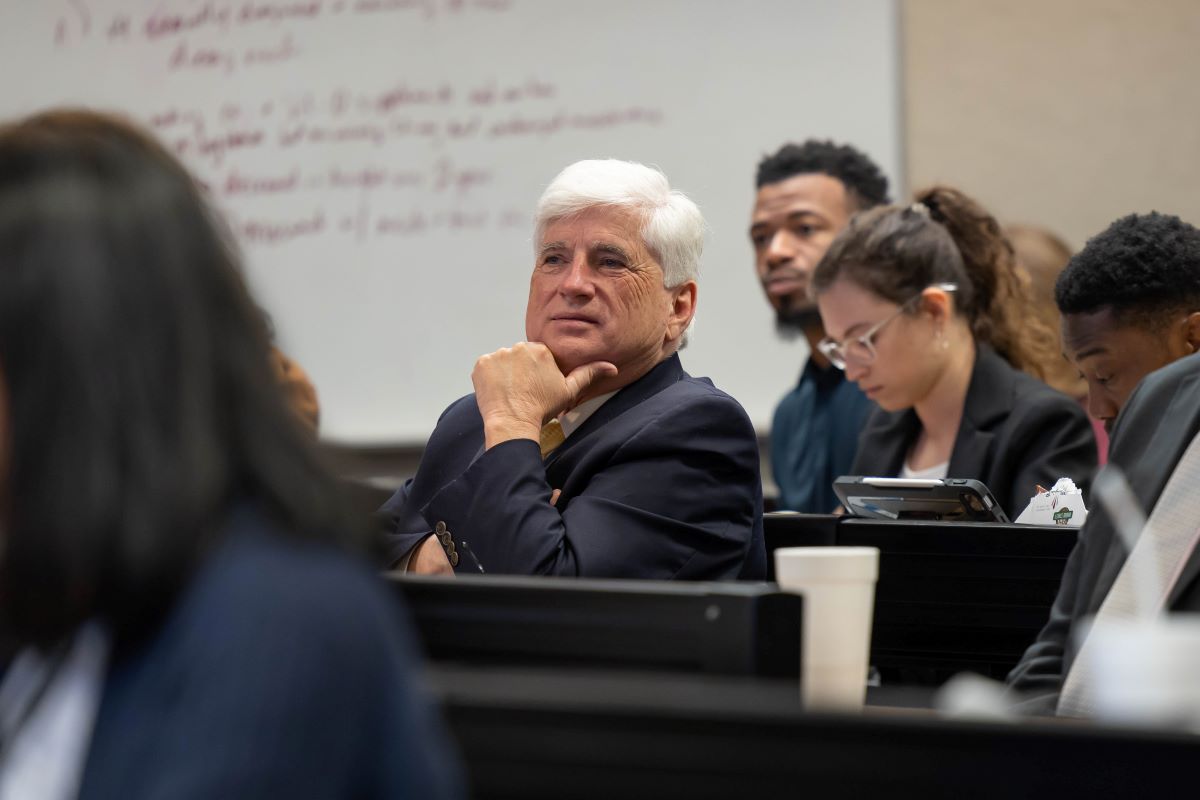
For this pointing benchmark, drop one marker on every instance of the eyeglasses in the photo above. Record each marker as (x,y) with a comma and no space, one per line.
(860,350)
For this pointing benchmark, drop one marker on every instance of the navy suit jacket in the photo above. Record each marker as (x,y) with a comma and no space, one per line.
(1151,433)
(662,481)
(284,669)
(1016,433)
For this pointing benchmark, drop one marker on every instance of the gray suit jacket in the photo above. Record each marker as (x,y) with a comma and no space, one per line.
(1150,435)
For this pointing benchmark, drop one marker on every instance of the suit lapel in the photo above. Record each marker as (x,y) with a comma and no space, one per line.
(891,438)
(1191,570)
(988,400)
(1169,439)
(972,451)
(664,374)
(1149,446)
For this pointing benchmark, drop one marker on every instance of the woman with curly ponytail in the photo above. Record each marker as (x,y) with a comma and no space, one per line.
(925,310)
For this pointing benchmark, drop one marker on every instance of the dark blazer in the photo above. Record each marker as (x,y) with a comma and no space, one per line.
(1151,433)
(283,670)
(1016,432)
(660,482)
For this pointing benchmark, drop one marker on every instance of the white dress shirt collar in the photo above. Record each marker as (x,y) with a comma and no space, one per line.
(571,420)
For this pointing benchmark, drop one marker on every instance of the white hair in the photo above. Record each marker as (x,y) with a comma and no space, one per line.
(672,226)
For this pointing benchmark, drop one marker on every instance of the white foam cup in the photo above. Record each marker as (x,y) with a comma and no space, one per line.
(838,585)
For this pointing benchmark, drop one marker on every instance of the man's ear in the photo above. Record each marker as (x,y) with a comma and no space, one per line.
(1191,331)
(683,308)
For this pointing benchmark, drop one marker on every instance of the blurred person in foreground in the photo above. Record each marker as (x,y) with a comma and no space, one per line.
(806,193)
(587,450)
(175,561)
(925,311)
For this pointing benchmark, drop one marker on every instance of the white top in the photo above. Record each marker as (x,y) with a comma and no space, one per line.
(571,420)
(936,471)
(48,707)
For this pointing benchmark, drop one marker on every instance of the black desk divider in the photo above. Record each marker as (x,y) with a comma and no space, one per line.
(951,596)
(746,629)
(789,529)
(958,596)
(554,735)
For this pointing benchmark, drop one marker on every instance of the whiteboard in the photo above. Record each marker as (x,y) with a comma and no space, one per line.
(379,160)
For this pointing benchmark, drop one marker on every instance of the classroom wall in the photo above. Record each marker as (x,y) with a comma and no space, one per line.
(379,161)
(1067,113)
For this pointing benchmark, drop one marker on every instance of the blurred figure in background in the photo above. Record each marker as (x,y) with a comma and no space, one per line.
(175,561)
(1041,256)
(925,311)
(298,388)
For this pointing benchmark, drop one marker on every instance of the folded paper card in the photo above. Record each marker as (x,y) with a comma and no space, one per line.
(1062,504)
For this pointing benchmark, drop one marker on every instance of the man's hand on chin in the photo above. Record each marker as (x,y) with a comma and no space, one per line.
(520,388)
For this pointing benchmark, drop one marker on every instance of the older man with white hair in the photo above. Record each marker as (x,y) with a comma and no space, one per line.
(587,450)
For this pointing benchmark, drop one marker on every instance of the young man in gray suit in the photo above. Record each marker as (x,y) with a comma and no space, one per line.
(1131,305)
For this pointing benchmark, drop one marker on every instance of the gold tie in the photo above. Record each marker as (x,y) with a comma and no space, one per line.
(551,437)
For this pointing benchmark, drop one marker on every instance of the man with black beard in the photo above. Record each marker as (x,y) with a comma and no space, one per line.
(806,195)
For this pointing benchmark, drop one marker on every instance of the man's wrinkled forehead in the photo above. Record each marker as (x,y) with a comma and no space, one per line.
(594,246)
(631,222)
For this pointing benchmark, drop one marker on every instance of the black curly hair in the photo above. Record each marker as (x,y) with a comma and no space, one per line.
(1143,267)
(865,184)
